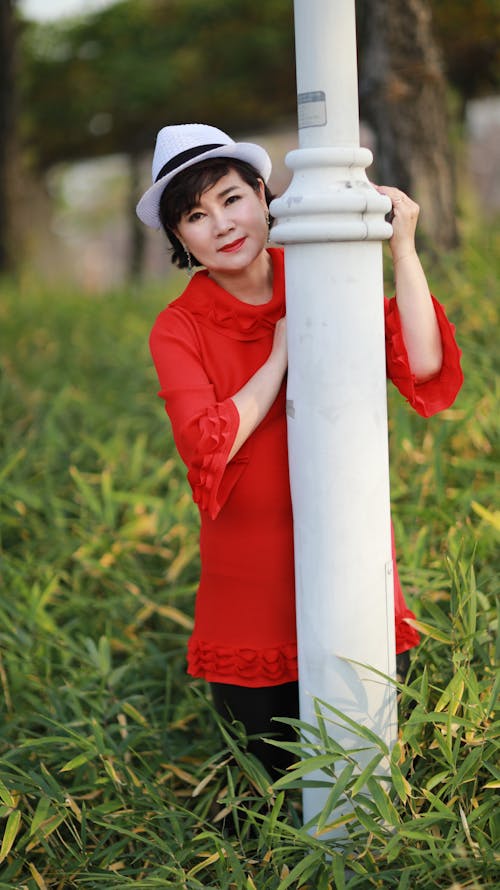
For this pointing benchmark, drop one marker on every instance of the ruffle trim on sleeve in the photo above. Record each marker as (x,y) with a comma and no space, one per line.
(241,666)
(440,391)
(217,428)
(406,635)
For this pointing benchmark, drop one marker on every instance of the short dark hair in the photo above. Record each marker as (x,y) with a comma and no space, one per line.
(185,190)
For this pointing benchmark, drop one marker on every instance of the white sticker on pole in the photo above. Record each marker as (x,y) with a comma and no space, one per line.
(311,109)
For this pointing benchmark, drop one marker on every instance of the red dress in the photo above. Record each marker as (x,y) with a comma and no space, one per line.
(205,346)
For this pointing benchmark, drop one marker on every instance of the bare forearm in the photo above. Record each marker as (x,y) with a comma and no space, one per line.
(418,319)
(255,398)
(253,401)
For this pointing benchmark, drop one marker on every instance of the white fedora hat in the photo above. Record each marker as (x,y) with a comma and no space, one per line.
(182,145)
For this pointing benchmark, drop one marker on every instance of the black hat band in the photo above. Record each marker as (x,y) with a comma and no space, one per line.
(184,156)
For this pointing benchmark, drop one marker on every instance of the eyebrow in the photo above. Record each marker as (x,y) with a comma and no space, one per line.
(221,194)
(230,188)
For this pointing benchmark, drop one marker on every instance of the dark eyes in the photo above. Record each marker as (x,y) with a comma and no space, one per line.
(198,214)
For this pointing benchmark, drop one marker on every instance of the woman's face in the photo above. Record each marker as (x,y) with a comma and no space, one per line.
(227,230)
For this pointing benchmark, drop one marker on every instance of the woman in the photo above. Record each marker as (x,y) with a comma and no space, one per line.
(221,357)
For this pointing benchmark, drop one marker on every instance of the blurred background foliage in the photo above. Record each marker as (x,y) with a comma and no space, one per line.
(117,73)
(120,72)
(102,84)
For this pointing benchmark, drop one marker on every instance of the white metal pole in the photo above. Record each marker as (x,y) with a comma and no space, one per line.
(332,223)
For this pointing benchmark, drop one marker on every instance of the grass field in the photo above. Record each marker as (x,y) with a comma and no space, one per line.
(113,770)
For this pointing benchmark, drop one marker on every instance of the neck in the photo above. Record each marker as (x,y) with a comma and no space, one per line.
(253,285)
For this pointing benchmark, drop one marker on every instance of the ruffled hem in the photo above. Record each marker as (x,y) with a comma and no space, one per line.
(242,666)
(433,395)
(217,431)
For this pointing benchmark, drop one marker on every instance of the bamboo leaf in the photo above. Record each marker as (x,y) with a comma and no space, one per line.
(465,825)
(338,871)
(17,457)
(401,784)
(209,860)
(429,630)
(339,822)
(41,813)
(46,829)
(89,497)
(203,784)
(414,834)
(6,796)
(366,773)
(369,822)
(39,881)
(362,731)
(10,833)
(493,699)
(272,819)
(443,809)
(233,863)
(437,779)
(424,685)
(310,765)
(469,768)
(301,871)
(444,745)
(452,694)
(490,516)
(132,712)
(383,802)
(77,761)
(176,616)
(336,793)
(181,774)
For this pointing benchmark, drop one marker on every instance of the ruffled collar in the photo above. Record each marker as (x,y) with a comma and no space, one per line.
(216,308)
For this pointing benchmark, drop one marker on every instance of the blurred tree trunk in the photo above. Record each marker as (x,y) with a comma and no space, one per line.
(137,234)
(7,117)
(403,99)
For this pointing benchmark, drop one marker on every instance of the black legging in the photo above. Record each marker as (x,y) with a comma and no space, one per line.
(255,708)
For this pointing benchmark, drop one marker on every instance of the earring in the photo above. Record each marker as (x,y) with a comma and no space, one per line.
(190,263)
(268,222)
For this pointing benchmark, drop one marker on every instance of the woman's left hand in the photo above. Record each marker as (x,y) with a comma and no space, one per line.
(418,318)
(404,222)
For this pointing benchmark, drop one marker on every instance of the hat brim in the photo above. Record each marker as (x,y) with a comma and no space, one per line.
(148,207)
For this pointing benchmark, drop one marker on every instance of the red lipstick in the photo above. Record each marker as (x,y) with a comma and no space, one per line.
(235,245)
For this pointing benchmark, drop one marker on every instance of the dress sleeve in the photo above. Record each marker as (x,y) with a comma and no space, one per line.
(440,391)
(204,428)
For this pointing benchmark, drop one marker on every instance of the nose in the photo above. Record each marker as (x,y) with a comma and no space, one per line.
(222,221)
